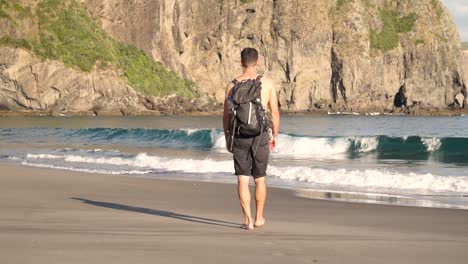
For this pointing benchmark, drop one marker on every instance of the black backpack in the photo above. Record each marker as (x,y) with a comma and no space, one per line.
(248,114)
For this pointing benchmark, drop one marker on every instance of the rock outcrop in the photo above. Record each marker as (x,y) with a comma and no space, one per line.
(360,55)
(319,52)
(465,55)
(29,84)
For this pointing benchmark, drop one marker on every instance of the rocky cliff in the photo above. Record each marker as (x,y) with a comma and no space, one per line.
(349,55)
(343,55)
(55,58)
(465,53)
(30,84)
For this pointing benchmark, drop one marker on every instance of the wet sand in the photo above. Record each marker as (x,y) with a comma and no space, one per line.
(51,216)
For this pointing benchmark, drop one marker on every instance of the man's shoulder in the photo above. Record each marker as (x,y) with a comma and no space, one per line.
(228,89)
(230,84)
(267,82)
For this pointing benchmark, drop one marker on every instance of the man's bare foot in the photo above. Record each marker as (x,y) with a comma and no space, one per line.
(247,227)
(260,223)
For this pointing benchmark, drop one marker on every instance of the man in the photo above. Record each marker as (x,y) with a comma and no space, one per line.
(251,154)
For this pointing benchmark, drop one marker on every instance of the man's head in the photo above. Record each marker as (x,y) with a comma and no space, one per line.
(249,57)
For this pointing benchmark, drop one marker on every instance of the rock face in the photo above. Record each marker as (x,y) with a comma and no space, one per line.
(30,84)
(465,53)
(319,52)
(322,54)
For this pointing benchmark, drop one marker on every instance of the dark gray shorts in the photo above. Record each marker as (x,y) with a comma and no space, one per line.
(245,162)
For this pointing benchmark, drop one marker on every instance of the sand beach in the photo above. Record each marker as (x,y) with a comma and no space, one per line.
(54,216)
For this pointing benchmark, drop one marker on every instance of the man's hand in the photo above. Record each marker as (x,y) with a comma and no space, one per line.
(273,143)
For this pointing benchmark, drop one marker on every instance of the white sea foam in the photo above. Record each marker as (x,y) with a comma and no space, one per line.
(219,142)
(373,179)
(323,146)
(113,172)
(369,179)
(298,146)
(432,144)
(190,131)
(289,145)
(143,160)
(366,144)
(44,156)
(95,150)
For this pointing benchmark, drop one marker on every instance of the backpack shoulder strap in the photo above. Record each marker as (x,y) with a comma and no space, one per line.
(259,85)
(259,78)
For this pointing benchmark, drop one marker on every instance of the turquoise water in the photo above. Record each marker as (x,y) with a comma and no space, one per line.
(413,159)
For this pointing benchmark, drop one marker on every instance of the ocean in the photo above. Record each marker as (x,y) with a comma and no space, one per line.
(402,160)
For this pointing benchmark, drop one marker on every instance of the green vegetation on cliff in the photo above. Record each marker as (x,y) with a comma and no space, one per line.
(340,3)
(245,1)
(392,24)
(437,7)
(67,32)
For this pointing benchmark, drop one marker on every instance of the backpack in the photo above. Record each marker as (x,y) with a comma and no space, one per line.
(248,114)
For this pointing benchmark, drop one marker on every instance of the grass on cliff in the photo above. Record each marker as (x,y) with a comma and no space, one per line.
(340,3)
(15,43)
(392,24)
(242,2)
(69,34)
(436,6)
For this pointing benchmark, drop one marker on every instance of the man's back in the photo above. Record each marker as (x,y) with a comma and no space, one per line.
(268,91)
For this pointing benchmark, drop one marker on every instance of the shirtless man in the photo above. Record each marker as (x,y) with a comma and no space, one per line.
(245,163)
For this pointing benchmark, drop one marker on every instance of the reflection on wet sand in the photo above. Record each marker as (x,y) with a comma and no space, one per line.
(376,198)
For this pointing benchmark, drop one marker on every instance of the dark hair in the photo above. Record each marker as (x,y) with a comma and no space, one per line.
(249,56)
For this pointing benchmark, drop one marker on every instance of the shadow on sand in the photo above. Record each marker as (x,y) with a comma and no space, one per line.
(162,213)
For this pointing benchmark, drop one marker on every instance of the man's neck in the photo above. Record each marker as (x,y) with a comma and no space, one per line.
(250,71)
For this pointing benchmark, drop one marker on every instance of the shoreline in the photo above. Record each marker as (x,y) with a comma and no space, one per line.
(340,196)
(55,216)
(418,112)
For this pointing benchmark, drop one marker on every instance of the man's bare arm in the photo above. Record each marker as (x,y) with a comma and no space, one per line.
(274,109)
(226,114)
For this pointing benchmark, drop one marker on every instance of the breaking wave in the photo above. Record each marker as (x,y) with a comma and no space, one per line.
(142,163)
(444,149)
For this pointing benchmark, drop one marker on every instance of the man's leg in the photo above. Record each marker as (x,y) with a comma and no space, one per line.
(244,197)
(259,169)
(260,197)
